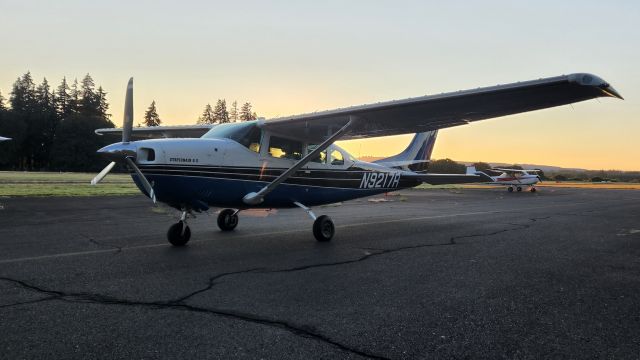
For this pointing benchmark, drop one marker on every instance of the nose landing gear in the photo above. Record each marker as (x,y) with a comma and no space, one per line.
(179,233)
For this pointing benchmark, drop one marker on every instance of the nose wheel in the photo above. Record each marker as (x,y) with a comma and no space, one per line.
(179,234)
(228,219)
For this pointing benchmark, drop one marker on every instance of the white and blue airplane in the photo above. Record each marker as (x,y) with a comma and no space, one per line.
(293,161)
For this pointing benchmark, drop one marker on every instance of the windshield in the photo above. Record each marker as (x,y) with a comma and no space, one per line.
(246,133)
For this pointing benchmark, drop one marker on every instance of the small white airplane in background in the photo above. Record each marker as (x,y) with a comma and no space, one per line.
(293,162)
(514,179)
(4,138)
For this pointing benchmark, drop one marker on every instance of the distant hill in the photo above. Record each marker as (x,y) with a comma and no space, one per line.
(545,168)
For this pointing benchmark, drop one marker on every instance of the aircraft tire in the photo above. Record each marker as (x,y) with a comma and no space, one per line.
(175,235)
(510,189)
(519,188)
(227,220)
(533,189)
(323,228)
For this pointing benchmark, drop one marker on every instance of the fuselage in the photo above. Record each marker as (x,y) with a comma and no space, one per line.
(215,171)
(515,180)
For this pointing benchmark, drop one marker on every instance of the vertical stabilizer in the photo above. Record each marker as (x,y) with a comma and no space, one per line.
(416,156)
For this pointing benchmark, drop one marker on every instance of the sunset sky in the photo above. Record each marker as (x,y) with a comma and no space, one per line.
(290,57)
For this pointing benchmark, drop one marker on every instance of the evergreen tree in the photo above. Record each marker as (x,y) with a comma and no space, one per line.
(245,112)
(3,107)
(75,141)
(207,116)
(220,113)
(43,126)
(44,97)
(23,106)
(74,98)
(23,94)
(103,106)
(62,98)
(151,117)
(89,100)
(233,113)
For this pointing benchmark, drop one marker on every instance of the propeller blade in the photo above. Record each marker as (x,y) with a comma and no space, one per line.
(127,124)
(103,173)
(143,179)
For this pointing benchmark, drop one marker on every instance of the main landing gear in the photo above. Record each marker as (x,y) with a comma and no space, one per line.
(228,219)
(179,233)
(517,188)
(323,228)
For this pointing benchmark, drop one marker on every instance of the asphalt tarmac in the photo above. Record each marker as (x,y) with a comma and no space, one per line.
(476,273)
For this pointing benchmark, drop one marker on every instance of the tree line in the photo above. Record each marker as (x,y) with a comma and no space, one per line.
(220,115)
(53,129)
(210,115)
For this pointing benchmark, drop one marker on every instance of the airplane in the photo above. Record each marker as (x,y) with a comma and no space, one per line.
(514,179)
(293,161)
(4,138)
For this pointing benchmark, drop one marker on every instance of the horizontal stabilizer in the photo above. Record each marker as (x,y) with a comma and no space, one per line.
(441,179)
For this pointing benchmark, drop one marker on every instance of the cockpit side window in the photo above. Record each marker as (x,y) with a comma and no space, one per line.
(285,148)
(251,139)
(321,158)
(247,134)
(337,158)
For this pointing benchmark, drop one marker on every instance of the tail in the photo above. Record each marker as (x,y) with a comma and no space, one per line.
(471,170)
(416,156)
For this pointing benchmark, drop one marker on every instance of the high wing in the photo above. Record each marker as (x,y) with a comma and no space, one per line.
(155,132)
(515,170)
(444,110)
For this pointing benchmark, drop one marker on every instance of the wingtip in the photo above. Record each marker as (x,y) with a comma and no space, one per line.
(612,92)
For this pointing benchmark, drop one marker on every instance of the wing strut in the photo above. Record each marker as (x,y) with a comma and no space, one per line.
(254,198)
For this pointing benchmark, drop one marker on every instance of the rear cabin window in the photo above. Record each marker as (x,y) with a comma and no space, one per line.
(285,148)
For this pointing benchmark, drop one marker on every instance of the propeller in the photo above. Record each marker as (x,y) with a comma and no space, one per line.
(145,183)
(124,151)
(103,173)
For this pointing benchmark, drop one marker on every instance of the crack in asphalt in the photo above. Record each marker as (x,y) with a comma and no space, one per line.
(296,329)
(211,283)
(27,302)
